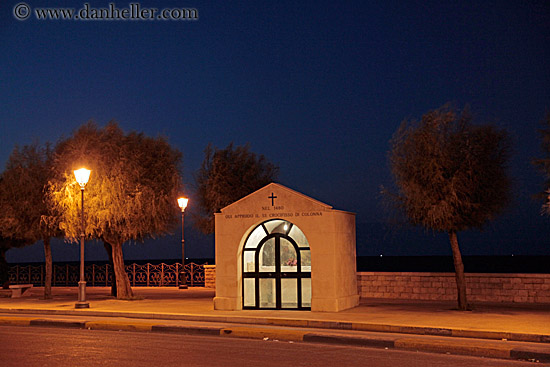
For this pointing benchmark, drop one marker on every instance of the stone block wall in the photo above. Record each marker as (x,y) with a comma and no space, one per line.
(520,288)
(210,276)
(525,288)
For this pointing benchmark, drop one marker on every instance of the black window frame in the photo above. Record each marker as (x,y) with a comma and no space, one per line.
(278,275)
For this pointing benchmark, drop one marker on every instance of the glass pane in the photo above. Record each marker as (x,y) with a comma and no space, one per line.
(267,292)
(276,226)
(267,256)
(288,256)
(248,264)
(249,292)
(289,293)
(255,237)
(306,260)
(306,292)
(298,236)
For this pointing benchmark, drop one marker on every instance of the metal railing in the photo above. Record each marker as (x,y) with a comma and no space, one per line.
(140,275)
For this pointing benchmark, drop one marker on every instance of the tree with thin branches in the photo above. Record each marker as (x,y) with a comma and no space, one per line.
(450,175)
(227,175)
(26,213)
(131,195)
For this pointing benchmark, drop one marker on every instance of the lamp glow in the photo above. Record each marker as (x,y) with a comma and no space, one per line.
(82,176)
(182,202)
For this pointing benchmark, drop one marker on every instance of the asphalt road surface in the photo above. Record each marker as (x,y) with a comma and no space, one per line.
(38,346)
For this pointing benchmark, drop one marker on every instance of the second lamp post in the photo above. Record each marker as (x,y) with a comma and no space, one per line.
(182,202)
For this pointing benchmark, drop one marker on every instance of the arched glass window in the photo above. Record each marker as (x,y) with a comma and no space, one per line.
(276,267)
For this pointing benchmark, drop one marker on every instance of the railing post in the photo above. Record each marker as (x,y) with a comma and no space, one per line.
(42,283)
(66,274)
(133,274)
(93,275)
(177,274)
(184,274)
(161,274)
(192,275)
(53,275)
(148,274)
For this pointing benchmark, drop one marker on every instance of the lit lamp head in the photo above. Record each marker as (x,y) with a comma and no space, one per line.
(182,202)
(82,176)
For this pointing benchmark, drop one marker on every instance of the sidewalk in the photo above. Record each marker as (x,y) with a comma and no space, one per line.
(496,322)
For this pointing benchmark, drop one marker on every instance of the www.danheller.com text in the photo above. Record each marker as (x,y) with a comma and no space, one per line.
(134,11)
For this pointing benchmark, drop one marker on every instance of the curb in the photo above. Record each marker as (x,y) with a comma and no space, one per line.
(16,321)
(259,333)
(188,330)
(454,347)
(318,324)
(356,341)
(58,323)
(118,326)
(466,347)
(463,347)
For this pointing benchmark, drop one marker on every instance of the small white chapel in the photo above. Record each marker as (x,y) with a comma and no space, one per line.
(279,249)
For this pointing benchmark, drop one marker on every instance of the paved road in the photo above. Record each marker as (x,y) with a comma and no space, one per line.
(36,346)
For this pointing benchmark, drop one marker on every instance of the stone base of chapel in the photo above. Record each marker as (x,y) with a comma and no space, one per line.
(334,304)
(225,303)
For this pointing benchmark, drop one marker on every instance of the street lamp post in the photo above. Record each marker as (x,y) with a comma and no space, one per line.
(82,176)
(182,202)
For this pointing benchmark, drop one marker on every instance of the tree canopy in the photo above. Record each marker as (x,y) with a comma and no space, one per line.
(450,174)
(131,193)
(25,211)
(225,176)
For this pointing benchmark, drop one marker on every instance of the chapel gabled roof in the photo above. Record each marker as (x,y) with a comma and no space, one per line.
(275,186)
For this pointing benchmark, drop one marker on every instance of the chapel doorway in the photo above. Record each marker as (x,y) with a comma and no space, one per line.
(276,267)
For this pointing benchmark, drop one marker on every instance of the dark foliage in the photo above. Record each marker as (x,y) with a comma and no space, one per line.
(227,175)
(5,245)
(543,165)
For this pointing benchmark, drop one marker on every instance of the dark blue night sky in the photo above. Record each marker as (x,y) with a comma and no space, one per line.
(318,87)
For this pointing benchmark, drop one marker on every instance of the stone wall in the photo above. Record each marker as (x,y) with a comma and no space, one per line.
(521,288)
(527,288)
(210,276)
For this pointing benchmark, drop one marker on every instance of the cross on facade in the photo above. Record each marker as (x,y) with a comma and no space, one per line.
(272,197)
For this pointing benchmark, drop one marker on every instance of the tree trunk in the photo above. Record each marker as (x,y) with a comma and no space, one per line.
(124,291)
(459,272)
(109,250)
(4,270)
(49,264)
